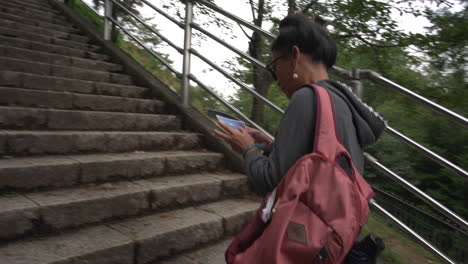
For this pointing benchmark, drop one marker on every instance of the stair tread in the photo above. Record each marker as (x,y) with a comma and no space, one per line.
(47,39)
(170,232)
(76,101)
(42,30)
(95,158)
(212,254)
(40,23)
(53,119)
(51,171)
(50,48)
(40,68)
(87,95)
(22,143)
(53,83)
(81,111)
(71,245)
(55,59)
(10,8)
(92,203)
(24,4)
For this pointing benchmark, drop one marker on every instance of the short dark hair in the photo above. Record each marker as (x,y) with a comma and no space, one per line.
(309,35)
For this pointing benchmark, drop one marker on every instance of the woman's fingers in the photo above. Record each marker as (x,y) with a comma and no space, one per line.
(226,127)
(222,135)
(242,129)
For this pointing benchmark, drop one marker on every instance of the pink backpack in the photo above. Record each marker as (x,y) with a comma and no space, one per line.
(315,213)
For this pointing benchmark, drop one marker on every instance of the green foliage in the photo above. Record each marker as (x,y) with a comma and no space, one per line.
(89,15)
(399,247)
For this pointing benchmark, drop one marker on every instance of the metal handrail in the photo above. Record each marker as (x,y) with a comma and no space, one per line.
(432,155)
(157,56)
(337,70)
(229,46)
(181,25)
(419,99)
(230,107)
(414,190)
(237,19)
(241,84)
(400,224)
(440,219)
(150,28)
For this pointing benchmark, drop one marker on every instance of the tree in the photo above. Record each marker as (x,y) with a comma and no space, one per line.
(259,51)
(119,14)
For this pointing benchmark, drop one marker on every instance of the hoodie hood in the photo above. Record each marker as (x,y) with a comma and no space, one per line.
(369,124)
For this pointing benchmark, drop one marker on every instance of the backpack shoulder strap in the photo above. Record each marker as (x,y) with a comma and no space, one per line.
(326,139)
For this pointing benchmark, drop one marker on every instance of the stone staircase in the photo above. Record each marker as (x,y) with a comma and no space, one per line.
(90,170)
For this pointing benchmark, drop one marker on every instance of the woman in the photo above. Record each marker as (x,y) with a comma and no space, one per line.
(302,54)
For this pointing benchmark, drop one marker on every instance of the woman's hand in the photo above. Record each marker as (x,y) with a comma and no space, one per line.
(239,139)
(260,137)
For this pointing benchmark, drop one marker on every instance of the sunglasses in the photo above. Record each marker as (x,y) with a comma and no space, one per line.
(271,67)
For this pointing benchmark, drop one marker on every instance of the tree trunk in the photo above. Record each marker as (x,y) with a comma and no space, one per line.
(114,31)
(261,81)
(292,7)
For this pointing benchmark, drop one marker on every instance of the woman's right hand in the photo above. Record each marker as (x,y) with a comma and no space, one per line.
(259,137)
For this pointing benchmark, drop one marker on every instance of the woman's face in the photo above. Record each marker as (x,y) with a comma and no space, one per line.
(281,68)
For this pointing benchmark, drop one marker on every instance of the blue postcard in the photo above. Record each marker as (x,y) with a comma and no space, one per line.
(230,122)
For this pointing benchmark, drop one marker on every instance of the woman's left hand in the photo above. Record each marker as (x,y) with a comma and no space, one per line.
(239,139)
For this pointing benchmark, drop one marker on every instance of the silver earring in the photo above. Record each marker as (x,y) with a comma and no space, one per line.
(295,76)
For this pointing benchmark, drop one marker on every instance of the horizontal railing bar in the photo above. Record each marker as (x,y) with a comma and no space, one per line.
(241,84)
(229,106)
(234,49)
(146,48)
(237,19)
(418,98)
(439,219)
(180,50)
(181,25)
(413,189)
(341,72)
(408,230)
(427,152)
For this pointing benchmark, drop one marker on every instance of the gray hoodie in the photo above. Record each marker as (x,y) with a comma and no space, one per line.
(357,124)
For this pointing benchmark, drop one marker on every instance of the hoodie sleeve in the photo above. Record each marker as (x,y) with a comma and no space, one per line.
(294,139)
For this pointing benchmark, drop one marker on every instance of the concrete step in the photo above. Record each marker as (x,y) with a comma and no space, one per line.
(46,39)
(50,48)
(26,5)
(35,2)
(9,64)
(5,23)
(24,11)
(74,101)
(40,213)
(61,60)
(49,172)
(40,23)
(50,119)
(141,240)
(50,83)
(212,254)
(21,143)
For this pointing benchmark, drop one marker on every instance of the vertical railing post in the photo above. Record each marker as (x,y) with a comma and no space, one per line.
(187,46)
(357,83)
(107,21)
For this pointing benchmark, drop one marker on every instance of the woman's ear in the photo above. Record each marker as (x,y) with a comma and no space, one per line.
(296,54)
